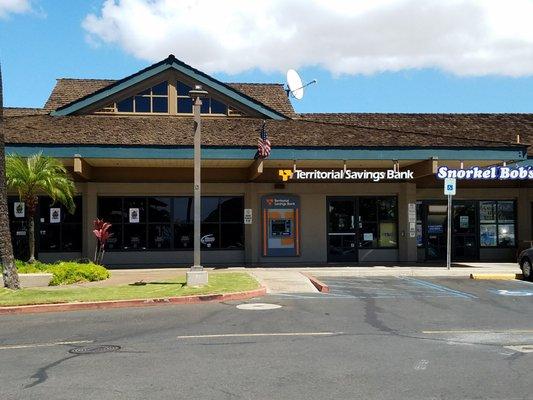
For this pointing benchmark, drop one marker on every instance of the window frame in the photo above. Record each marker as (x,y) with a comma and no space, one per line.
(377,222)
(172,223)
(497,224)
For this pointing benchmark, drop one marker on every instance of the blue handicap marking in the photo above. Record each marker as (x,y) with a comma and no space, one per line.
(449,187)
(514,293)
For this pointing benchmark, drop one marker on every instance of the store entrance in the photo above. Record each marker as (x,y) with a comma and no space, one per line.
(342,229)
(465,246)
(436,226)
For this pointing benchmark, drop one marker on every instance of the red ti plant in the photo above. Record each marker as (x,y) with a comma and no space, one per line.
(101,231)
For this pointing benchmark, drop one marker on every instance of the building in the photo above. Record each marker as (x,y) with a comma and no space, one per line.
(337,188)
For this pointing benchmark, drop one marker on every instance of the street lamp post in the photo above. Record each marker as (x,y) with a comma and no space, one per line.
(196,276)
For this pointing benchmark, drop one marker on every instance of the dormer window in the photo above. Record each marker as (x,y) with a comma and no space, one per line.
(150,101)
(209,105)
(159,99)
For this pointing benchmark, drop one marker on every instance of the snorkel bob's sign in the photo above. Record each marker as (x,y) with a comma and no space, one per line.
(489,173)
(344,175)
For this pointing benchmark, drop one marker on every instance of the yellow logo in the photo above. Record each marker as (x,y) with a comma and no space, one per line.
(285,174)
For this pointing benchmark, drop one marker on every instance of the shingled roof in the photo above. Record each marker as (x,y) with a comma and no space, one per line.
(174,130)
(508,128)
(68,90)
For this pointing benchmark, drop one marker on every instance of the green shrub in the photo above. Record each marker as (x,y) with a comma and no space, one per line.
(66,272)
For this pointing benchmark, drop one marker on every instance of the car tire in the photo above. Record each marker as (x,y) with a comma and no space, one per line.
(527,269)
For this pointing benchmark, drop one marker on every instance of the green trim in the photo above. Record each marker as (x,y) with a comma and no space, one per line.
(278,153)
(158,68)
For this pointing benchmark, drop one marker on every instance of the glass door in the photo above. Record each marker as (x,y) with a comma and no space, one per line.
(464,235)
(436,232)
(342,238)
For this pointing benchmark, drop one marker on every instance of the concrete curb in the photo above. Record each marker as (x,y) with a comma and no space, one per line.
(97,305)
(499,277)
(321,286)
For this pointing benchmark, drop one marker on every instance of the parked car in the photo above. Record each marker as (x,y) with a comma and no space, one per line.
(525,260)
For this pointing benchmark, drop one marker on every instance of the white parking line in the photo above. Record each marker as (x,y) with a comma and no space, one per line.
(33,345)
(224,335)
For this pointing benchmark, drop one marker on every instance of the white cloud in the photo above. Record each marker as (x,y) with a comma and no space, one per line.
(14,7)
(464,37)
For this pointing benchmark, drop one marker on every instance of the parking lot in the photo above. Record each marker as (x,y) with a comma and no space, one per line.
(378,338)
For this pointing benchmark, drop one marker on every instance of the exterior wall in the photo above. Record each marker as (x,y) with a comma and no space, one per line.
(54,257)
(313,221)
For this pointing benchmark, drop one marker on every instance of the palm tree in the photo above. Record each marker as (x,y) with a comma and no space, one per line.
(39,174)
(7,262)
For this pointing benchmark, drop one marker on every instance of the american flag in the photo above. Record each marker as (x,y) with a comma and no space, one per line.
(263,144)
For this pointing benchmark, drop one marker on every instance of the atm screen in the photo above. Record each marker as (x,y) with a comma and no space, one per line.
(280,227)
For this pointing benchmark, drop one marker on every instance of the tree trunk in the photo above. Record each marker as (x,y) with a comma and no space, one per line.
(10,273)
(31,238)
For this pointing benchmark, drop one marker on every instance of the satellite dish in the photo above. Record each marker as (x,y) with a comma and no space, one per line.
(295,85)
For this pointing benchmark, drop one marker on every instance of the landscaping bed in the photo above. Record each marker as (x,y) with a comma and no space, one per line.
(219,283)
(65,272)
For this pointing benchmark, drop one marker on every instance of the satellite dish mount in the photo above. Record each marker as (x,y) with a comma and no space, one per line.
(295,86)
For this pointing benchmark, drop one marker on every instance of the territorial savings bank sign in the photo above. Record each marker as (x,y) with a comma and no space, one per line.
(344,175)
(493,173)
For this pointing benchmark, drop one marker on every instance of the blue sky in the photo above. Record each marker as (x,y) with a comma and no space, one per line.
(49,42)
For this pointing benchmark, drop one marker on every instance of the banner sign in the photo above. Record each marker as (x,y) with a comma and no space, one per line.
(495,173)
(19,209)
(55,215)
(344,175)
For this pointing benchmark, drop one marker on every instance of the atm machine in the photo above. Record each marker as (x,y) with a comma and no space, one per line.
(280,226)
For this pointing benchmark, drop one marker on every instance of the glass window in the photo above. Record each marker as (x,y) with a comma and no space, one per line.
(367,209)
(505,212)
(210,236)
(497,223)
(110,209)
(204,108)
(142,104)
(184,105)
(387,208)
(231,209)
(160,104)
(487,212)
(368,237)
(183,210)
(159,236)
(183,89)
(232,236)
(134,237)
(378,222)
(132,206)
(160,89)
(159,209)
(71,235)
(50,237)
(183,236)
(506,235)
(125,105)
(218,108)
(166,222)
(210,209)
(387,234)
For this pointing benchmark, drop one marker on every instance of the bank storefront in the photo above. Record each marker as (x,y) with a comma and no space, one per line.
(337,189)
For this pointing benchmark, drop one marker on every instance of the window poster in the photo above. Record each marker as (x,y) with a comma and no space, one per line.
(487,211)
(487,235)
(463,221)
(387,234)
(419,236)
(55,215)
(19,209)
(368,237)
(134,216)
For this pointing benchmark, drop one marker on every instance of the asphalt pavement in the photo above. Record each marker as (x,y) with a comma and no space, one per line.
(370,338)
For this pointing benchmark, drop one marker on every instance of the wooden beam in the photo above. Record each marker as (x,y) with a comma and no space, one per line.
(423,168)
(82,168)
(255,169)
